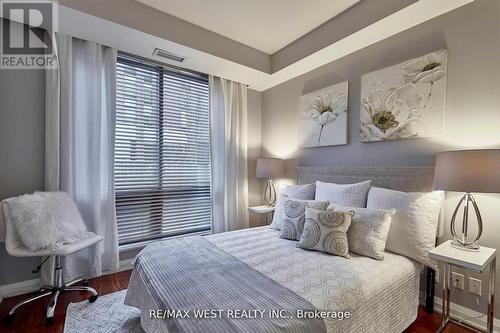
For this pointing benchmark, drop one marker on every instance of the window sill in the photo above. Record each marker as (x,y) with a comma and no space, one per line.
(140,245)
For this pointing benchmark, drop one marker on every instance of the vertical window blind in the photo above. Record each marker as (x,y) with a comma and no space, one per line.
(162,152)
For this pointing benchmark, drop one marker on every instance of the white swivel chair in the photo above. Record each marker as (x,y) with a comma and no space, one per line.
(16,248)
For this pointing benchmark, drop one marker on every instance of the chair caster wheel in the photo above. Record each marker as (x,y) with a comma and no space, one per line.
(8,319)
(92,298)
(49,320)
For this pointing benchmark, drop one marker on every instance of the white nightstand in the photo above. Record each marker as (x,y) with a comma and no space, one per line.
(268,210)
(475,261)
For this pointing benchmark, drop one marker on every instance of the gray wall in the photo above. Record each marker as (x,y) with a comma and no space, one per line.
(472,36)
(22,123)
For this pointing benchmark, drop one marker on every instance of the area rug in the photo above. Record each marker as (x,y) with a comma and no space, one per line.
(106,314)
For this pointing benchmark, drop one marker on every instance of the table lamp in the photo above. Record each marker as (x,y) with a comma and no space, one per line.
(269,168)
(467,171)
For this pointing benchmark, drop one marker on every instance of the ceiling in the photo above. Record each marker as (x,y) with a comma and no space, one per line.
(266,25)
(117,22)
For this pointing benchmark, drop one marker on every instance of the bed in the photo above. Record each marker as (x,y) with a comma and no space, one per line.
(255,269)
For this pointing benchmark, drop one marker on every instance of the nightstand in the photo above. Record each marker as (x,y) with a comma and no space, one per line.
(265,209)
(476,261)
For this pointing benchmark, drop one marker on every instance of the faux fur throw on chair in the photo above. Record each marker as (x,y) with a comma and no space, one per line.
(47,220)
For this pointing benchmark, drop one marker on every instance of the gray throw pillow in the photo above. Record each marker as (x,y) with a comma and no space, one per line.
(369,229)
(294,216)
(326,231)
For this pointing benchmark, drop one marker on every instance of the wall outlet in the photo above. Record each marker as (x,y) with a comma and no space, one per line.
(475,286)
(457,280)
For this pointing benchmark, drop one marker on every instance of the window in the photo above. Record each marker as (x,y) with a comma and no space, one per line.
(162,154)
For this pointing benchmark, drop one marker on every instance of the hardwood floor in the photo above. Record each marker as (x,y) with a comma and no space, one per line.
(31,317)
(428,323)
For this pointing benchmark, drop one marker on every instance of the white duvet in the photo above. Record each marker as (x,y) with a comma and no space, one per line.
(381,295)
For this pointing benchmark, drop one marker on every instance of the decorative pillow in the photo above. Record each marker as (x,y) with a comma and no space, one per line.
(369,229)
(325,231)
(46,220)
(304,192)
(294,216)
(345,194)
(413,227)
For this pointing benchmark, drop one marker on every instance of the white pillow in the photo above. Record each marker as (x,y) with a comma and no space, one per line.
(304,192)
(413,227)
(46,220)
(369,229)
(353,195)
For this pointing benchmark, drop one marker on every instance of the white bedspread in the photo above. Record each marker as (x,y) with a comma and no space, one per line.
(381,295)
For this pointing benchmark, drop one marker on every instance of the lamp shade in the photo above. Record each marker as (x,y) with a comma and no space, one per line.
(269,168)
(468,171)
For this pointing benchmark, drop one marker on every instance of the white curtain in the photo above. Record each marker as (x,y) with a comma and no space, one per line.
(228,116)
(79,148)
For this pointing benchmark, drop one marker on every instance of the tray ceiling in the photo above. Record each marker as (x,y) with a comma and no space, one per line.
(266,25)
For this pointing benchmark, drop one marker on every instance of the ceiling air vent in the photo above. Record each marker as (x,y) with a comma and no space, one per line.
(168,55)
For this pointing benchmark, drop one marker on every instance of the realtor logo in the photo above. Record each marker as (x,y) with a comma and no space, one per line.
(27,32)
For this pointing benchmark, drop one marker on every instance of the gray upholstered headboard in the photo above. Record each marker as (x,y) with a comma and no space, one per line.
(407,179)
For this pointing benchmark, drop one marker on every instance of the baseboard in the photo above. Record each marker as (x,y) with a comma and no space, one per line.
(18,288)
(28,286)
(469,316)
(125,265)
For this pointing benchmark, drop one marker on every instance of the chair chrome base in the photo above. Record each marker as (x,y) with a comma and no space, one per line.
(55,290)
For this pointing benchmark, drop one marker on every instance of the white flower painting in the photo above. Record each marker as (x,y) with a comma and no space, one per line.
(323,117)
(404,101)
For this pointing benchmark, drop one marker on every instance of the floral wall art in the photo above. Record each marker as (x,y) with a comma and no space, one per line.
(323,117)
(404,101)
